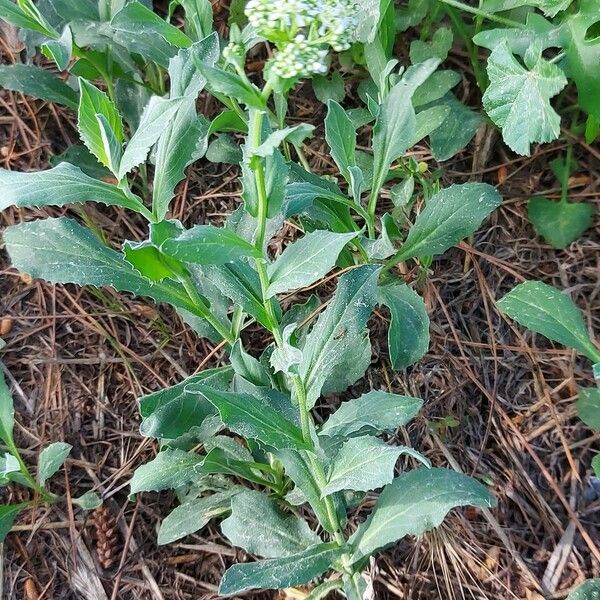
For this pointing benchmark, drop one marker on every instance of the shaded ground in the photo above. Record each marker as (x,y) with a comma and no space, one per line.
(499,403)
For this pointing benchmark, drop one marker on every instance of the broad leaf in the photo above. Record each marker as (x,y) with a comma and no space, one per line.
(171,469)
(172,412)
(231,85)
(449,216)
(37,82)
(99,135)
(548,311)
(416,502)
(248,367)
(408,333)
(341,137)
(588,407)
(365,463)
(560,223)
(306,260)
(278,573)
(155,119)
(253,418)
(259,526)
(7,412)
(376,411)
(31,19)
(193,515)
(337,351)
(518,98)
(208,245)
(64,184)
(185,79)
(218,461)
(51,460)
(8,514)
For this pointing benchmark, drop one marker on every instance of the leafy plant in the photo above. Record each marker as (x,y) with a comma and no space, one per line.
(241,441)
(586,591)
(553,314)
(13,469)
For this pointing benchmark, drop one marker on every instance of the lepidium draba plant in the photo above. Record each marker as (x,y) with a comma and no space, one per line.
(240,442)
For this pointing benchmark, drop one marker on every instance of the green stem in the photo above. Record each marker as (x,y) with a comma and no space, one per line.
(372,206)
(484,14)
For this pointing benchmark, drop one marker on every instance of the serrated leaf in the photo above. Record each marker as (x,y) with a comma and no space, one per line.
(63,251)
(416,502)
(449,216)
(208,245)
(252,418)
(93,102)
(8,514)
(7,412)
(38,83)
(337,351)
(408,333)
(518,99)
(376,411)
(548,311)
(51,460)
(171,412)
(589,590)
(588,407)
(193,515)
(278,573)
(60,50)
(64,184)
(306,260)
(341,138)
(560,223)
(171,469)
(363,464)
(259,526)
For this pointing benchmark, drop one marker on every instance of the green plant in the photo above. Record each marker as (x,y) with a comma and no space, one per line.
(548,311)
(589,590)
(253,421)
(13,469)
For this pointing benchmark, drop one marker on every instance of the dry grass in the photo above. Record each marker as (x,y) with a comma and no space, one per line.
(77,359)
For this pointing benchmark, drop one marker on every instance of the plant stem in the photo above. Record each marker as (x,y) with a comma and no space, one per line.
(484,14)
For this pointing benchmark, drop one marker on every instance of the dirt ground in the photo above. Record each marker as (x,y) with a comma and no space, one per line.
(499,402)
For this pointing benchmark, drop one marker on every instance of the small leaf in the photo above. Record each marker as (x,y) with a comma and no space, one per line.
(221,462)
(31,18)
(252,418)
(285,359)
(408,333)
(440,45)
(363,464)
(60,50)
(259,526)
(375,411)
(329,89)
(279,573)
(588,407)
(231,85)
(295,135)
(248,367)
(337,351)
(341,138)
(93,102)
(38,83)
(449,216)
(306,260)
(88,501)
(548,311)
(155,119)
(7,412)
(416,502)
(208,245)
(171,469)
(518,98)
(51,460)
(560,223)
(8,514)
(193,515)
(589,590)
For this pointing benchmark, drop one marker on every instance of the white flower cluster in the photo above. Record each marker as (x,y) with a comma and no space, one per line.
(303,31)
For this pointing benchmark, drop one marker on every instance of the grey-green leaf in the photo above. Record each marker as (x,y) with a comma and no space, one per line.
(171,469)
(7,412)
(38,83)
(449,216)
(278,573)
(193,515)
(341,137)
(8,514)
(548,311)
(363,464)
(64,184)
(258,525)
(337,351)
(376,411)
(251,417)
(51,460)
(408,333)
(306,260)
(589,590)
(416,502)
(588,407)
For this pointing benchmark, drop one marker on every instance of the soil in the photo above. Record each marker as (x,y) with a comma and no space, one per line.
(499,401)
